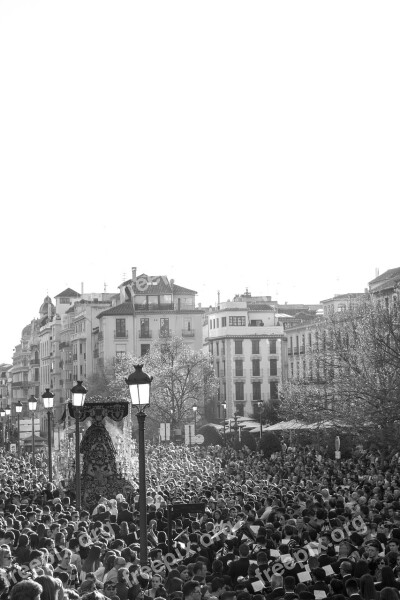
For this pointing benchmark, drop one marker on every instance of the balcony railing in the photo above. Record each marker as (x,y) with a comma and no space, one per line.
(75,357)
(157,307)
(187,332)
(101,336)
(290,351)
(20,384)
(144,335)
(120,335)
(296,349)
(165,333)
(302,349)
(64,345)
(34,361)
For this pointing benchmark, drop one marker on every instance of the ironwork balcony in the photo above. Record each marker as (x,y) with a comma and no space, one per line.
(145,335)
(302,349)
(187,332)
(165,333)
(120,335)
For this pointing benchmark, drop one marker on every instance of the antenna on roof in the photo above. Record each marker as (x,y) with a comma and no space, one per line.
(105,286)
(219,297)
(123,276)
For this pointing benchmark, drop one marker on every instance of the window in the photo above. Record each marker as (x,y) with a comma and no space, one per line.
(144,328)
(80,348)
(291,370)
(223,347)
(273,367)
(211,348)
(273,390)
(238,368)
(223,321)
(120,328)
(272,346)
(240,410)
(255,346)
(144,348)
(239,390)
(256,390)
(309,340)
(223,369)
(217,348)
(217,322)
(166,299)
(237,321)
(152,301)
(256,368)
(217,368)
(210,323)
(164,327)
(238,346)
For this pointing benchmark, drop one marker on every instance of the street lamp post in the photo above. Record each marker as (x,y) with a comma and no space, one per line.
(260,404)
(48,400)
(195,415)
(8,413)
(223,404)
(78,393)
(18,410)
(139,387)
(2,414)
(32,403)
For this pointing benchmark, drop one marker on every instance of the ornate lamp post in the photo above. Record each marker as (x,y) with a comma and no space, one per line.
(260,405)
(8,413)
(3,414)
(78,393)
(195,415)
(48,401)
(32,404)
(223,404)
(139,387)
(18,410)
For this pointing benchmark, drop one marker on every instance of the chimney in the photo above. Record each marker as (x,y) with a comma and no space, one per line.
(376,272)
(133,274)
(219,297)
(81,288)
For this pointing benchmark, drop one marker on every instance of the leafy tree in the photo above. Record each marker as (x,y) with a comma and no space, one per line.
(248,440)
(353,373)
(211,436)
(182,378)
(269,443)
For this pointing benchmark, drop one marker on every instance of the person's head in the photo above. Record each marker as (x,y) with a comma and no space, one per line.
(28,589)
(346,568)
(337,586)
(351,586)
(389,593)
(191,590)
(367,587)
(276,581)
(66,559)
(50,587)
(244,550)
(5,557)
(289,583)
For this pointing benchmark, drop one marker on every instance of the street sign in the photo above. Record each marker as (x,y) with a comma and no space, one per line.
(165,432)
(199,439)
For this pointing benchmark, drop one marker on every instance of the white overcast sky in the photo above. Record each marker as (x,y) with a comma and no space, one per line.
(224,144)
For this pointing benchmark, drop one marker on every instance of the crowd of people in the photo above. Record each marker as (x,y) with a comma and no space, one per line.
(296,525)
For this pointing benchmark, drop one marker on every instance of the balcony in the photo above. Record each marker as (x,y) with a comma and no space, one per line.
(101,336)
(296,350)
(20,385)
(34,361)
(74,357)
(120,335)
(165,333)
(187,332)
(302,349)
(154,307)
(64,345)
(145,335)
(290,351)
(95,353)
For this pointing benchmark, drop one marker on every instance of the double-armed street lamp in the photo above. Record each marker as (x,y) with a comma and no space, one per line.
(78,393)
(48,402)
(139,387)
(32,404)
(195,415)
(18,410)
(3,414)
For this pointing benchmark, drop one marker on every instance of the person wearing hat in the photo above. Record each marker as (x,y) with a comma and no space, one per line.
(373,549)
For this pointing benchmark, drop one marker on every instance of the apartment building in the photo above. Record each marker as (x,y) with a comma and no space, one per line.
(148,309)
(386,287)
(301,335)
(248,348)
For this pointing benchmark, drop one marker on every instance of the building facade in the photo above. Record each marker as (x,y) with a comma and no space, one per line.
(247,344)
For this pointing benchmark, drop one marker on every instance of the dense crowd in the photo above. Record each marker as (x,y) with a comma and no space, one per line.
(298,525)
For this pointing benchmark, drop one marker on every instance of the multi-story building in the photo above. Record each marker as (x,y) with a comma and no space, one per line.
(147,309)
(386,287)
(301,336)
(248,349)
